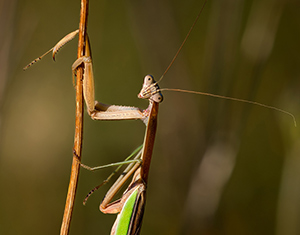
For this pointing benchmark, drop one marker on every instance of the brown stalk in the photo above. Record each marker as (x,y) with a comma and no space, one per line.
(65,227)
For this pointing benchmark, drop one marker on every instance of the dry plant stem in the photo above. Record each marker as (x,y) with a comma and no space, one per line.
(65,227)
(149,141)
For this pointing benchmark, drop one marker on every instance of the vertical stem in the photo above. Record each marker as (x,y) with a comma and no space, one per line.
(65,227)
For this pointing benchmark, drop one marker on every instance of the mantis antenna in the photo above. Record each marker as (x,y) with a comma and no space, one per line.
(182,44)
(234,99)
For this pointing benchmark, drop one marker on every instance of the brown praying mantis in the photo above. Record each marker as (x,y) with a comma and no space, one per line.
(133,199)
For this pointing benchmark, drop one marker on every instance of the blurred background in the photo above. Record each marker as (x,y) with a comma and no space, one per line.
(219,166)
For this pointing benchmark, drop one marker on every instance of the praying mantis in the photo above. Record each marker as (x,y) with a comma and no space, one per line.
(133,199)
(99,111)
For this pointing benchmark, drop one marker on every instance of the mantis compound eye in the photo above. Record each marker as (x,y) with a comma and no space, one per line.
(148,80)
(158,97)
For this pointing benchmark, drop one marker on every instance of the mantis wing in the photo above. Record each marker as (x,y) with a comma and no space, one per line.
(129,221)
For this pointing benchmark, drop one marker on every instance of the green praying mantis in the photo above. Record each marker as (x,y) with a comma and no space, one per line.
(131,205)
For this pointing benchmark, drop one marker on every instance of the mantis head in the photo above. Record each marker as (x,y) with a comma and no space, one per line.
(150,90)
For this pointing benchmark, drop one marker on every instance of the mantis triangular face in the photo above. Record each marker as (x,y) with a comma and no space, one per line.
(150,90)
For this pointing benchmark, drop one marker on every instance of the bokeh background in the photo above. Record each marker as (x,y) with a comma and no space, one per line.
(219,167)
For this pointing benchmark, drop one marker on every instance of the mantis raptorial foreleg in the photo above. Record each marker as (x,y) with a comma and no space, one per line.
(97,110)
(100,111)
